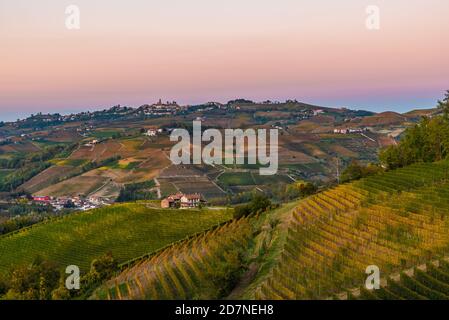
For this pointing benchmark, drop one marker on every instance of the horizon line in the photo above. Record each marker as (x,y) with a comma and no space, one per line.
(101,108)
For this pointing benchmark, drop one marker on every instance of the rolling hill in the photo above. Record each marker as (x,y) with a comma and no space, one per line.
(192,269)
(318,247)
(126,230)
(395,220)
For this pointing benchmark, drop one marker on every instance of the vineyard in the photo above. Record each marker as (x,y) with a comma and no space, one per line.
(198,268)
(427,281)
(395,221)
(126,230)
(315,248)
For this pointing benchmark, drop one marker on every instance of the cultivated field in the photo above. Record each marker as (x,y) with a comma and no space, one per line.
(185,270)
(77,186)
(395,221)
(316,248)
(128,231)
(4,173)
(47,178)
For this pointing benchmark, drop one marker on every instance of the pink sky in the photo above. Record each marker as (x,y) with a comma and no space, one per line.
(136,52)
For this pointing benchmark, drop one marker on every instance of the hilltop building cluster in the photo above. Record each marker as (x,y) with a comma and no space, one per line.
(161,109)
(183,201)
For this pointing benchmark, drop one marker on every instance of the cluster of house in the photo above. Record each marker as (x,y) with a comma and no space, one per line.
(209,106)
(5,140)
(160,108)
(181,200)
(350,130)
(78,203)
(47,118)
(85,130)
(91,143)
(152,132)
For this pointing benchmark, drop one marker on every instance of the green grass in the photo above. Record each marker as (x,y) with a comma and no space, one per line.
(127,230)
(70,162)
(127,166)
(4,173)
(268,244)
(237,179)
(275,179)
(47,143)
(6,156)
(105,134)
(167,188)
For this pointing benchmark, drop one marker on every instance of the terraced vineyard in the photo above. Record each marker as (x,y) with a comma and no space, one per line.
(315,248)
(427,281)
(395,221)
(191,269)
(126,230)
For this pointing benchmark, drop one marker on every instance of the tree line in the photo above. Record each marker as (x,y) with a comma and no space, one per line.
(426,141)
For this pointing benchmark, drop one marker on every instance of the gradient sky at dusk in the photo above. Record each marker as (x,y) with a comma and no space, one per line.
(135,52)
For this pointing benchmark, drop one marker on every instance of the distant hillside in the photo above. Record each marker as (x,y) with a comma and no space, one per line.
(122,154)
(382,119)
(422,112)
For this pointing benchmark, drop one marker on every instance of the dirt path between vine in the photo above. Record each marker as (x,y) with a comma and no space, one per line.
(244,282)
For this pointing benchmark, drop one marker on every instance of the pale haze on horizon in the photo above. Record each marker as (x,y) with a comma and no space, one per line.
(135,52)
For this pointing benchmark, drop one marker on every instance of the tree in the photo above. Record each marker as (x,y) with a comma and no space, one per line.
(258,204)
(3,286)
(299,189)
(33,282)
(391,158)
(242,211)
(352,172)
(426,141)
(101,269)
(443,105)
(357,171)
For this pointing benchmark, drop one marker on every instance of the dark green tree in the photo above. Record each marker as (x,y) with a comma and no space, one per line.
(443,105)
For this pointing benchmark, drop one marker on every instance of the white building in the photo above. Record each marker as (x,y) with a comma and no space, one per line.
(151,133)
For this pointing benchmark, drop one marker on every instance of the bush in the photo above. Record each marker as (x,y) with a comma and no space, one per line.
(137,191)
(3,286)
(226,274)
(33,282)
(101,269)
(241,211)
(258,204)
(357,171)
(291,191)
